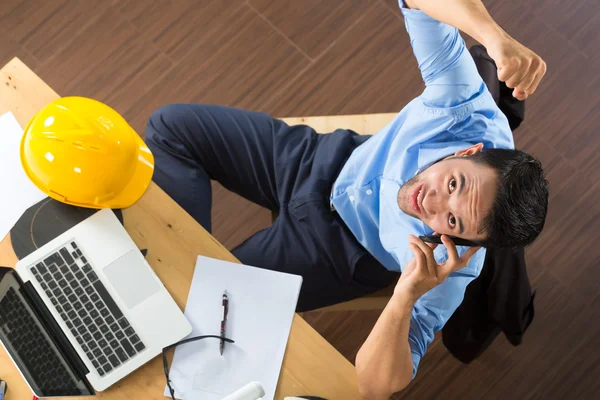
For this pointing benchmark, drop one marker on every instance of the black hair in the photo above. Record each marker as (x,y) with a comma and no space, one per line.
(519,210)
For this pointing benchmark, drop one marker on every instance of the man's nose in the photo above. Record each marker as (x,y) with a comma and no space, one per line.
(432,203)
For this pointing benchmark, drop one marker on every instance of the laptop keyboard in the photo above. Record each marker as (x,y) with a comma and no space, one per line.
(87,308)
(34,349)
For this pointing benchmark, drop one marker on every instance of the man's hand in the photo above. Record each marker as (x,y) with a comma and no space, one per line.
(518,66)
(423,273)
(384,363)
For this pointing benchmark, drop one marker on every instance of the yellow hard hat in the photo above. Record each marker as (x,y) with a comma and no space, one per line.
(82,152)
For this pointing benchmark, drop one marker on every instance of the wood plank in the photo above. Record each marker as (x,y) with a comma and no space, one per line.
(10,48)
(362,124)
(17,83)
(312,25)
(177,29)
(43,26)
(240,65)
(588,37)
(568,21)
(370,69)
(109,55)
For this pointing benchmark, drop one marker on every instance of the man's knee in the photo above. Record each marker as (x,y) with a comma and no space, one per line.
(162,124)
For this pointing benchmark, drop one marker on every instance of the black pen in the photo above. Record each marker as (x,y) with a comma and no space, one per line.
(224,320)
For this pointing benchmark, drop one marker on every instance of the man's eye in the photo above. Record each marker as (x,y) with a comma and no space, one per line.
(452,221)
(452,185)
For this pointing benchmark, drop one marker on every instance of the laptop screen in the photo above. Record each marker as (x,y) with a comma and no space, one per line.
(30,344)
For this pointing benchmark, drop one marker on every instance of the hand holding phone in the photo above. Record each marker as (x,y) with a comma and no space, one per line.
(424,272)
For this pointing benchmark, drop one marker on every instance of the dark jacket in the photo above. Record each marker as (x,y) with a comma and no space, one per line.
(498,300)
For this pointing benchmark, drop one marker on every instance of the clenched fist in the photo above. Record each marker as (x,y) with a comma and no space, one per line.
(519,67)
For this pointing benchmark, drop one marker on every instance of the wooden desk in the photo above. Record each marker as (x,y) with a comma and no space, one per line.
(173,239)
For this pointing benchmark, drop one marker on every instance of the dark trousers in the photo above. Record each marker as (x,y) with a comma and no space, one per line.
(289,169)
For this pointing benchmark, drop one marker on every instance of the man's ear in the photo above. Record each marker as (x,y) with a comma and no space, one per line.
(469,151)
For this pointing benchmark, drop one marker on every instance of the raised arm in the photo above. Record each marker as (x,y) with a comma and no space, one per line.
(518,66)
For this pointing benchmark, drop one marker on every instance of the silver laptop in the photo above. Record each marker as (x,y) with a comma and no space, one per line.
(85,310)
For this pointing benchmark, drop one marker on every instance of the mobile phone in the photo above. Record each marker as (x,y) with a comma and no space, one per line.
(457,241)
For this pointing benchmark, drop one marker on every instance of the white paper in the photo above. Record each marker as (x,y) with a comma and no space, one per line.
(261,310)
(18,192)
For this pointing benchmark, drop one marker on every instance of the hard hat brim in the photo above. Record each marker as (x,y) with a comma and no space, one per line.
(140,179)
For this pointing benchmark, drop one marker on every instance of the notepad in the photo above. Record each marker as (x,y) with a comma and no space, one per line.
(261,309)
(18,192)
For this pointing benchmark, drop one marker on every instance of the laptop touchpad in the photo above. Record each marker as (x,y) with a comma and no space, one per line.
(132,279)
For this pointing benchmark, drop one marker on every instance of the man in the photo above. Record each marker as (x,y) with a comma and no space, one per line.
(348,203)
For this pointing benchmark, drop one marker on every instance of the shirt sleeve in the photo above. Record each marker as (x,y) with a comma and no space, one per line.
(433,309)
(447,68)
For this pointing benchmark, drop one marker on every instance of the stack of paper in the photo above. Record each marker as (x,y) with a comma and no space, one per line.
(18,192)
(261,310)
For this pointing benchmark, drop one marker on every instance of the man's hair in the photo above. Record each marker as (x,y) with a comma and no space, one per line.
(519,210)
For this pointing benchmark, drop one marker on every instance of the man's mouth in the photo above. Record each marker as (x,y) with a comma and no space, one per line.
(416,199)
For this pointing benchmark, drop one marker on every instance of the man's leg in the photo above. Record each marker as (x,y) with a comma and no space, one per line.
(266,161)
(331,274)
(194,143)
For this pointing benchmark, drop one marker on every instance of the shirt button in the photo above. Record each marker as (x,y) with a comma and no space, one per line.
(369,192)
(351,198)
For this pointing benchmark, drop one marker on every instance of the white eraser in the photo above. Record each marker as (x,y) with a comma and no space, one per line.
(252,391)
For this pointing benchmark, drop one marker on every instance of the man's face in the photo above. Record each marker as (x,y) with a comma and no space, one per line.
(451,197)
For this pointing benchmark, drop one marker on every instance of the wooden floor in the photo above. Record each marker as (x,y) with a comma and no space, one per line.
(298,58)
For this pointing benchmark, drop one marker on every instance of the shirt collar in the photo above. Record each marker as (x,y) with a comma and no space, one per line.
(429,153)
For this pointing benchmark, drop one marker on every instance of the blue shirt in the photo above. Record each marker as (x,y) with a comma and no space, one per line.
(454,111)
